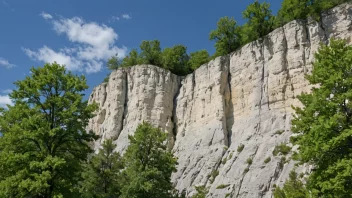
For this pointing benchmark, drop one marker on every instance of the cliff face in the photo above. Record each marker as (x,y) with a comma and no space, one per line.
(240,99)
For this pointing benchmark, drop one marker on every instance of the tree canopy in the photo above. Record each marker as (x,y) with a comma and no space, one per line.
(149,165)
(44,138)
(226,36)
(323,125)
(102,173)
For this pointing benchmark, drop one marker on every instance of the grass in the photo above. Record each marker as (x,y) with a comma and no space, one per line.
(222,186)
(240,148)
(267,160)
(281,148)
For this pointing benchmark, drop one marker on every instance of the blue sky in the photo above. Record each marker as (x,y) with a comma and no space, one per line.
(83,34)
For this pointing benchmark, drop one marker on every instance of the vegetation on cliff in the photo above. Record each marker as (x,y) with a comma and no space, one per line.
(228,36)
(323,126)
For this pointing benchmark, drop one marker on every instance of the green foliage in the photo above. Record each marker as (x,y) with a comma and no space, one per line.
(293,188)
(101,176)
(151,53)
(281,148)
(249,161)
(240,148)
(227,195)
(323,126)
(302,9)
(279,132)
(224,161)
(202,192)
(149,164)
(222,186)
(114,63)
(246,170)
(282,162)
(231,154)
(213,175)
(226,36)
(260,22)
(44,138)
(198,58)
(267,160)
(176,59)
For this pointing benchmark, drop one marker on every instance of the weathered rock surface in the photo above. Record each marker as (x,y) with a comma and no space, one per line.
(240,99)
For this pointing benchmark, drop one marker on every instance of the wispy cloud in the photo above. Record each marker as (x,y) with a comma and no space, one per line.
(126,16)
(113,19)
(5,100)
(7,5)
(93,44)
(6,63)
(46,16)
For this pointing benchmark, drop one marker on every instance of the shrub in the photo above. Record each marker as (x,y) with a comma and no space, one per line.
(249,161)
(282,148)
(267,160)
(240,148)
(245,170)
(279,132)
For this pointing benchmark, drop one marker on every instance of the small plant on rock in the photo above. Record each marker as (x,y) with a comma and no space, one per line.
(267,160)
(240,148)
(222,186)
(281,148)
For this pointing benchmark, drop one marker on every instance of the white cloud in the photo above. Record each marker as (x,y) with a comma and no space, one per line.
(94,44)
(4,100)
(126,16)
(47,55)
(46,16)
(5,63)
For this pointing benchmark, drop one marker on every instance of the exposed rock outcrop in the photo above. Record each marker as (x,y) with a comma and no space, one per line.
(239,100)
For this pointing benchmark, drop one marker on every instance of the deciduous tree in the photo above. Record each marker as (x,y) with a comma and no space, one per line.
(44,138)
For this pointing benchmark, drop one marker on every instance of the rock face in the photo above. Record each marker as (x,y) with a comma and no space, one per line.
(226,118)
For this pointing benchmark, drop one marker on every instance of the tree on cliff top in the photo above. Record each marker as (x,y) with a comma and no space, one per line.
(149,165)
(226,36)
(260,22)
(324,125)
(44,138)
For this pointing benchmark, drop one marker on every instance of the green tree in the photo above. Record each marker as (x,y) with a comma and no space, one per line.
(198,58)
(323,125)
(291,10)
(150,53)
(101,177)
(44,138)
(260,22)
(226,36)
(149,165)
(114,63)
(130,60)
(175,59)
(293,188)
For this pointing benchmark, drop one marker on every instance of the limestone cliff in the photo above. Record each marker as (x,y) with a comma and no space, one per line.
(240,99)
